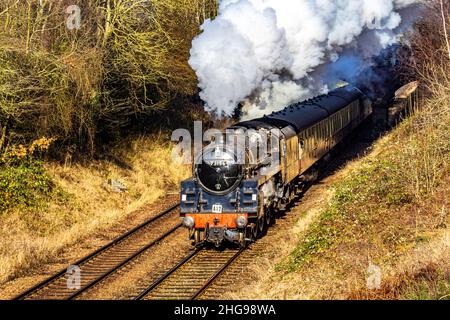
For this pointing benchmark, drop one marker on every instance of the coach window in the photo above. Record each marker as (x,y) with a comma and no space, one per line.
(321,132)
(283,148)
(269,145)
(332,124)
(258,151)
(301,145)
(315,137)
(336,123)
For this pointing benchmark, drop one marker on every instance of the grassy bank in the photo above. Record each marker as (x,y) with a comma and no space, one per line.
(378,228)
(393,201)
(380,200)
(57,205)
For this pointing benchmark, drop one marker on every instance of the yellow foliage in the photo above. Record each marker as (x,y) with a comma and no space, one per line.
(42,144)
(20,152)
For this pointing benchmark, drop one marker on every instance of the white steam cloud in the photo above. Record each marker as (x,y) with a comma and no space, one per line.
(269,53)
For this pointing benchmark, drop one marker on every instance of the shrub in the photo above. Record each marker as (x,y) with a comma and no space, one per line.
(24,183)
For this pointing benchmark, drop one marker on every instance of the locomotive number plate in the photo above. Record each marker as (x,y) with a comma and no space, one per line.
(217,208)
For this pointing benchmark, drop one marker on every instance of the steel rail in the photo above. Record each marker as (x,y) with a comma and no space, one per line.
(103,249)
(184,262)
(167,275)
(123,263)
(216,275)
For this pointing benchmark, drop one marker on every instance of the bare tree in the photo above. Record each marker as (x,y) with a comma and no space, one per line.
(126,58)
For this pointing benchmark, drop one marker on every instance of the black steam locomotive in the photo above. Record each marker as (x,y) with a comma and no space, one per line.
(257,167)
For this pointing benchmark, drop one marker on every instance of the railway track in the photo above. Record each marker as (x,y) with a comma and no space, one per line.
(107,260)
(192,276)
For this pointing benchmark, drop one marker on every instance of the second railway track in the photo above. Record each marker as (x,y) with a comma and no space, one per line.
(192,276)
(107,260)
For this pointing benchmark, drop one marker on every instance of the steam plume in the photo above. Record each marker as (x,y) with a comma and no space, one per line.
(269,53)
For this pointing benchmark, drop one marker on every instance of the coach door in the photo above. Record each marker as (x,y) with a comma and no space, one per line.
(301,154)
(292,158)
(283,159)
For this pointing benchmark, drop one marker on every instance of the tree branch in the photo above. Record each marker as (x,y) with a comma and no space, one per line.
(445,28)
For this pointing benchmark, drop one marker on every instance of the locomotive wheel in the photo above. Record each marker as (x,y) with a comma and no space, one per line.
(249,234)
(197,236)
(269,217)
(261,224)
(254,231)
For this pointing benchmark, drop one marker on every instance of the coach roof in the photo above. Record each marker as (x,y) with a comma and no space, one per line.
(307,113)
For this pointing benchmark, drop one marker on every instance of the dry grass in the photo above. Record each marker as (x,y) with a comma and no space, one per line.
(327,257)
(424,273)
(34,236)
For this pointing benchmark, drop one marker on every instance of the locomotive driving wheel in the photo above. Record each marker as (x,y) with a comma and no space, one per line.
(269,217)
(249,234)
(261,224)
(254,231)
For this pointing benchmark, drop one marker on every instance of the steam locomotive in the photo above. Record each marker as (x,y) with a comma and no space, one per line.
(255,168)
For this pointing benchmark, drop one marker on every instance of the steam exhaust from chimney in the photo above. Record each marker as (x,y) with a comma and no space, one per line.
(267,54)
